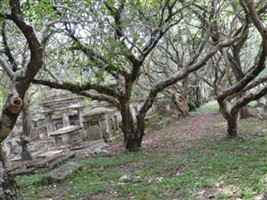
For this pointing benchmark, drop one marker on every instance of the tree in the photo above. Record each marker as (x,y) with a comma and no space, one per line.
(138,27)
(232,82)
(171,55)
(23,36)
(233,96)
(21,79)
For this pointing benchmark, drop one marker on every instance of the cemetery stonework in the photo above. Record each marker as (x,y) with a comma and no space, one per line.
(66,128)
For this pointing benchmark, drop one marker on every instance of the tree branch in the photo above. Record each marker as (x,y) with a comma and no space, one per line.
(185,72)
(106,90)
(107,93)
(8,69)
(256,19)
(7,49)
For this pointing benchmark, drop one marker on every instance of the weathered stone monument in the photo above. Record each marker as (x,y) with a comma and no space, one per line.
(63,112)
(64,119)
(67,135)
(100,121)
(25,154)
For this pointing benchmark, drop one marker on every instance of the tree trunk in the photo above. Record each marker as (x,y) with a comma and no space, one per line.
(132,145)
(26,117)
(20,83)
(8,186)
(133,134)
(127,125)
(135,141)
(232,126)
(184,97)
(11,110)
(198,101)
(181,106)
(231,118)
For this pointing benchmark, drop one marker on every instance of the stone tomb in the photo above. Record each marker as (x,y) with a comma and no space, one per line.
(59,112)
(99,121)
(67,135)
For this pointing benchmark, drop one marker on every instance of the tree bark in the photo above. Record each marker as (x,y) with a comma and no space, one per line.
(232,127)
(133,131)
(8,186)
(26,117)
(132,144)
(140,127)
(127,124)
(135,140)
(181,106)
(21,80)
(231,117)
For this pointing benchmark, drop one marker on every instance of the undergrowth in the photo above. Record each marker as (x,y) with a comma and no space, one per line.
(210,167)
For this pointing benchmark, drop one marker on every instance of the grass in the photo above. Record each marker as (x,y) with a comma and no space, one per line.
(211,107)
(227,169)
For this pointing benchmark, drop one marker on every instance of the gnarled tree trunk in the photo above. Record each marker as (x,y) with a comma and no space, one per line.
(133,131)
(136,137)
(181,105)
(8,186)
(127,126)
(232,126)
(21,79)
(231,118)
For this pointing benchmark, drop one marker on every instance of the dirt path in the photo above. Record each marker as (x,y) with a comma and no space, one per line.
(182,133)
(166,154)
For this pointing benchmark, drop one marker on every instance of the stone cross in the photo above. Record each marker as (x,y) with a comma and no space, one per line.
(25,154)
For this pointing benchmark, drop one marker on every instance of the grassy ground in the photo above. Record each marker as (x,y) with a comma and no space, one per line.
(191,159)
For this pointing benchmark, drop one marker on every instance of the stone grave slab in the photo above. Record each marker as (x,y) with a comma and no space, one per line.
(23,171)
(15,159)
(46,161)
(61,160)
(53,161)
(49,153)
(64,171)
(43,163)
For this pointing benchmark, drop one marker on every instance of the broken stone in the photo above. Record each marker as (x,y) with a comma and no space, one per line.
(45,162)
(61,160)
(26,171)
(50,153)
(64,172)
